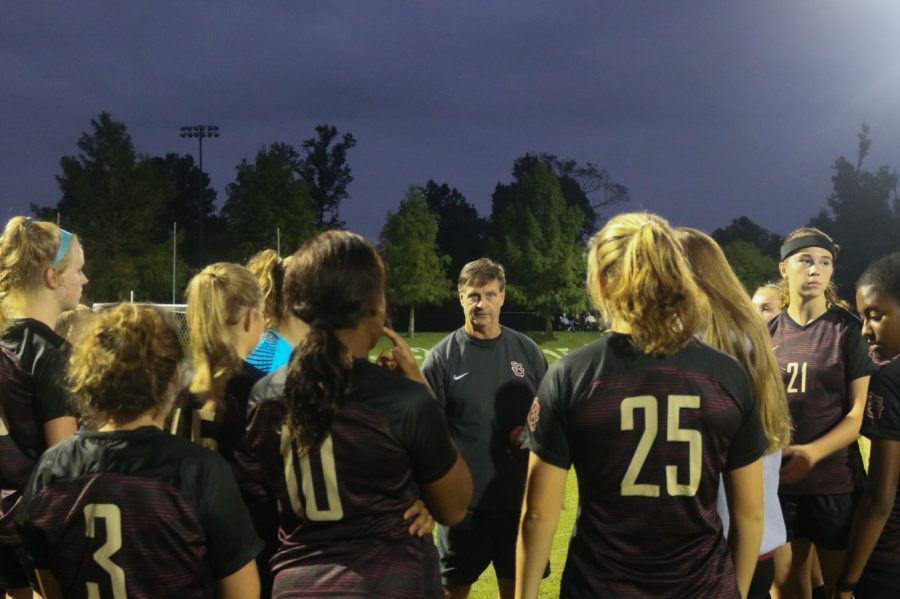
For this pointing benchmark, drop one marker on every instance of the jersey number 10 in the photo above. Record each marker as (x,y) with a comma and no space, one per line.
(674,433)
(314,465)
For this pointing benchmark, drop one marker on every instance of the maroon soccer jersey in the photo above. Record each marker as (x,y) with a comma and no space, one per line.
(882,423)
(32,368)
(818,362)
(649,437)
(138,512)
(341,507)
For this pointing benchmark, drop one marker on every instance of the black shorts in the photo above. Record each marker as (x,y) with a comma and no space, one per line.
(12,573)
(480,539)
(822,519)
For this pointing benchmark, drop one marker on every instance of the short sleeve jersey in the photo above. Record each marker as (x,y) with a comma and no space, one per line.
(818,362)
(649,437)
(486,387)
(32,368)
(273,351)
(882,423)
(220,427)
(135,512)
(343,503)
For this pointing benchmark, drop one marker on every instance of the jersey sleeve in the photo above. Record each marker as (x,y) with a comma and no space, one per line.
(882,417)
(51,398)
(35,543)
(546,423)
(231,536)
(263,440)
(435,372)
(855,350)
(750,442)
(425,435)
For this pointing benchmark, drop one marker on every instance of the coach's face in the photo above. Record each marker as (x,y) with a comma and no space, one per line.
(481,305)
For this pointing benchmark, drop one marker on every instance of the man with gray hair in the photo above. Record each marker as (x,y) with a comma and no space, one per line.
(486,376)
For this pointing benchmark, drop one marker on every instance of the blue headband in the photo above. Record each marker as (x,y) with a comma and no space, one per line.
(65,240)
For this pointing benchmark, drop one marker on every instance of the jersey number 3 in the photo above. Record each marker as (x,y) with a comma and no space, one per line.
(674,433)
(110,514)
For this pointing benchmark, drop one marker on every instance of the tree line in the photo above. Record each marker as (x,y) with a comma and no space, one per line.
(123,205)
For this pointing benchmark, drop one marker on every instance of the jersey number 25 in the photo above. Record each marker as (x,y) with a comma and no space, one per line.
(674,433)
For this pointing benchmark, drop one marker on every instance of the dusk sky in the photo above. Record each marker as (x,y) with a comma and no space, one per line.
(705,110)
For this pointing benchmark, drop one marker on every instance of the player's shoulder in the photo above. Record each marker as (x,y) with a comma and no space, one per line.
(887,378)
(269,387)
(372,378)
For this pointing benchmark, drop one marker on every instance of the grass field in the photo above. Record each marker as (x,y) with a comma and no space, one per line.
(563,343)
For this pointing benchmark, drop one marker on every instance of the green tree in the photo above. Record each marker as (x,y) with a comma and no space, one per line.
(863,215)
(744,229)
(462,234)
(190,202)
(750,265)
(114,200)
(537,237)
(585,186)
(267,196)
(324,168)
(415,266)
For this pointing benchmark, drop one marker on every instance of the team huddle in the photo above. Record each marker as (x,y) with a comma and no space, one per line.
(714,437)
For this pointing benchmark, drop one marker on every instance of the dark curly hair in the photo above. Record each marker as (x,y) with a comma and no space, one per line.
(884,274)
(334,281)
(125,363)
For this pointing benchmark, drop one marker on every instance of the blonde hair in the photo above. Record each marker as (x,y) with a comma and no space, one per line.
(27,250)
(831,295)
(635,272)
(125,364)
(72,324)
(269,269)
(732,323)
(216,299)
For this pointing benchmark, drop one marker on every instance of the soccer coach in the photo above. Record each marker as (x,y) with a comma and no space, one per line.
(486,376)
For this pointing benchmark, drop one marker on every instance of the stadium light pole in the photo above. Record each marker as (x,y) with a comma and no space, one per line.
(200,132)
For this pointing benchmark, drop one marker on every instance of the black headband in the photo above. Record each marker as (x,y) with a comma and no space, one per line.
(808,241)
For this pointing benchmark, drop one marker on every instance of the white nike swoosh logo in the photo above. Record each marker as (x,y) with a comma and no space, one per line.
(456,377)
(776,347)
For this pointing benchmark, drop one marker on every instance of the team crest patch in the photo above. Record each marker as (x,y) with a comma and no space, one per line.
(534,414)
(874,407)
(518,369)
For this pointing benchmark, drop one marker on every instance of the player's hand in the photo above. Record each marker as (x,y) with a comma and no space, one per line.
(422,521)
(517,437)
(847,595)
(800,463)
(402,359)
(386,360)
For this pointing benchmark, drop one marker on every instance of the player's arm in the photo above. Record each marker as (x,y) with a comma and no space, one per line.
(544,493)
(243,584)
(874,507)
(448,497)
(743,488)
(49,585)
(803,458)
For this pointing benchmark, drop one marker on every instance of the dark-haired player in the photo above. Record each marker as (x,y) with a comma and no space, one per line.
(872,565)
(651,418)
(129,510)
(825,366)
(485,375)
(40,276)
(346,445)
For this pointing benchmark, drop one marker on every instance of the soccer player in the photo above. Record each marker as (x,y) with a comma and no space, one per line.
(651,418)
(873,554)
(283,329)
(40,277)
(485,376)
(767,299)
(735,328)
(224,312)
(825,366)
(347,445)
(128,509)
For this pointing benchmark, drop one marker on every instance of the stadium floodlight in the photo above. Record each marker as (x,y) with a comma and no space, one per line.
(199,132)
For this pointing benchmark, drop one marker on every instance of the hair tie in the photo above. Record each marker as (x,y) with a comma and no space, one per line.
(28,222)
(65,240)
